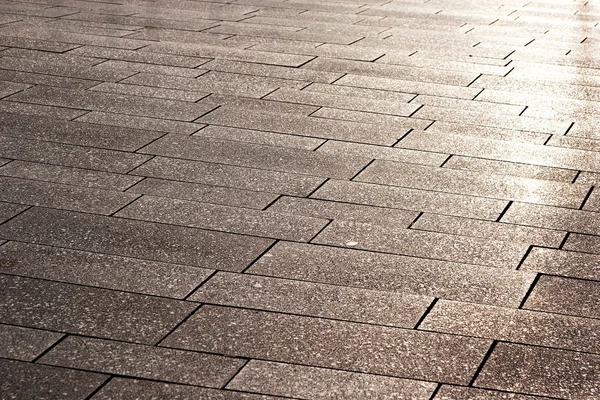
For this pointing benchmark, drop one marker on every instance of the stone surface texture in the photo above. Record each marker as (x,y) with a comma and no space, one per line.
(300,199)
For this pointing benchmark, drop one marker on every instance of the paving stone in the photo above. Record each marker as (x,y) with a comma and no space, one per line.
(343,211)
(385,121)
(382,153)
(553,218)
(512,325)
(502,150)
(9,210)
(256,156)
(354,103)
(411,199)
(510,168)
(563,263)
(203,193)
(319,383)
(313,299)
(404,86)
(565,296)
(78,133)
(488,132)
(97,101)
(131,389)
(474,184)
(363,93)
(254,104)
(71,156)
(486,229)
(23,380)
(593,202)
(145,91)
(9,88)
(514,122)
(38,79)
(132,121)
(462,249)
(101,270)
(39,110)
(540,371)
(116,65)
(315,342)
(303,126)
(224,87)
(140,361)
(393,273)
(274,71)
(43,45)
(468,105)
(23,343)
(229,176)
(137,56)
(38,193)
(69,176)
(138,239)
(89,311)
(588,178)
(194,50)
(224,218)
(259,137)
(449,392)
(48,67)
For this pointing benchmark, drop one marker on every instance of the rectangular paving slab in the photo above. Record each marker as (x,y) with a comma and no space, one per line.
(315,342)
(19,343)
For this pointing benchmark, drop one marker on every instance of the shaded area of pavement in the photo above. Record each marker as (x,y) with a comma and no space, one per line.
(261,199)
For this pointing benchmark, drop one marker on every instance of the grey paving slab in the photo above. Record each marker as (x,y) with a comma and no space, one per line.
(97,101)
(363,93)
(69,176)
(145,91)
(503,150)
(411,199)
(303,126)
(385,121)
(593,202)
(66,197)
(137,122)
(319,383)
(486,229)
(35,44)
(23,380)
(229,176)
(354,103)
(138,239)
(77,133)
(101,270)
(90,311)
(474,183)
(253,103)
(38,79)
(130,389)
(313,299)
(468,105)
(449,392)
(565,296)
(69,156)
(394,273)
(256,156)
(564,263)
(509,168)
(540,371)
(203,193)
(260,137)
(25,344)
(382,153)
(343,211)
(120,65)
(488,132)
(9,210)
(315,342)
(140,361)
(9,88)
(512,325)
(405,86)
(224,218)
(39,110)
(462,249)
(137,56)
(553,218)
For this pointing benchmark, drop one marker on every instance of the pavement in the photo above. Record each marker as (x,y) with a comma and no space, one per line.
(268,199)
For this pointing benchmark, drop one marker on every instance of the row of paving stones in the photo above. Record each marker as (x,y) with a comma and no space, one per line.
(266,199)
